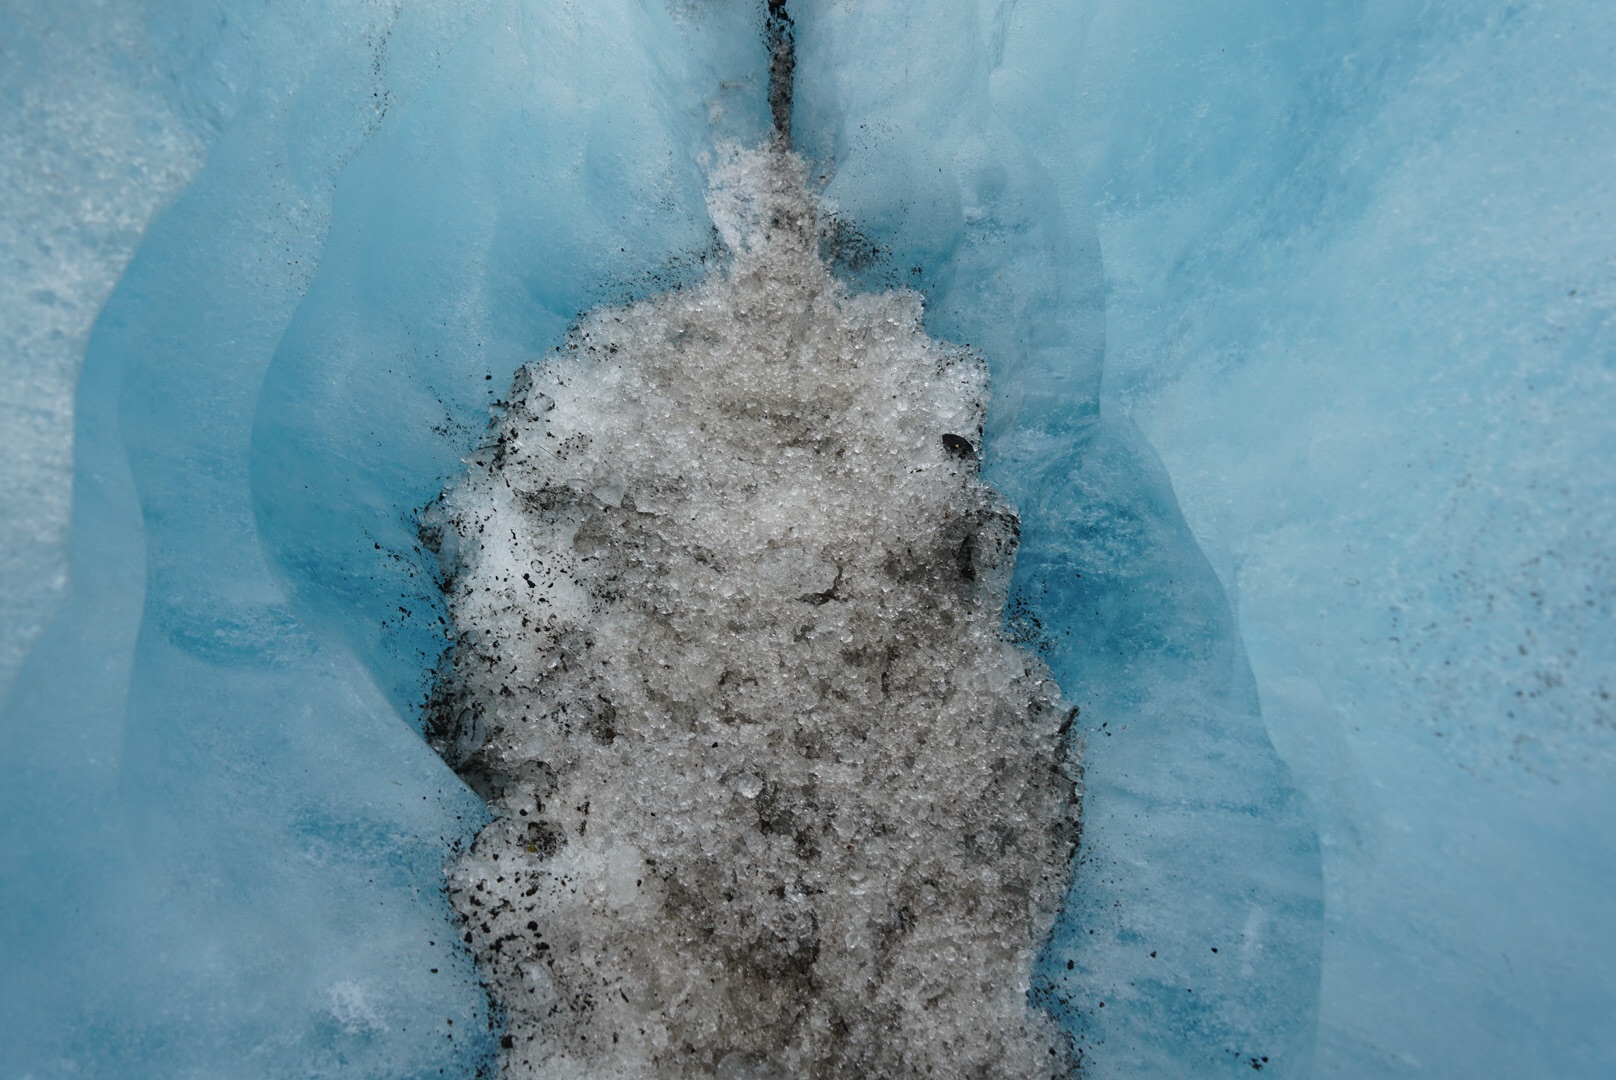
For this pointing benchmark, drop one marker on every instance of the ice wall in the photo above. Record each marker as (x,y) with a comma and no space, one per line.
(398,207)
(223,841)
(1191,938)
(1360,298)
(1356,290)
(192,854)
(90,148)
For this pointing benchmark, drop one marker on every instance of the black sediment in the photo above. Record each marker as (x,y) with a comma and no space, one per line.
(780,35)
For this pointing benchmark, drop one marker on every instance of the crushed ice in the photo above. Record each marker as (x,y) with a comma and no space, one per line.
(773,793)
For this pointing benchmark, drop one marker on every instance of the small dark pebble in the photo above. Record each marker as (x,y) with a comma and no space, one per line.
(959,446)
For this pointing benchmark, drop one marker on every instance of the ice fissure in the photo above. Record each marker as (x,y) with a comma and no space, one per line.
(773,793)
(779,33)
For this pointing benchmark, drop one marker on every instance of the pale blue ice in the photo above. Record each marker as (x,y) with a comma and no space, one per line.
(1325,556)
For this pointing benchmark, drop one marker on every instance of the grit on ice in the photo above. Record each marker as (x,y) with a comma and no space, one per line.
(774,795)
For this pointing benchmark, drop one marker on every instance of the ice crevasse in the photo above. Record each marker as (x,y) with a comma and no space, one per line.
(1344,718)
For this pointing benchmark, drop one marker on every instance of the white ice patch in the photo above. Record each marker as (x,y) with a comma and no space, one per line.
(774,796)
(351,1007)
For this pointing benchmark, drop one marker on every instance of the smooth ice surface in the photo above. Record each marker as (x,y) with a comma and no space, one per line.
(90,148)
(1361,298)
(200,875)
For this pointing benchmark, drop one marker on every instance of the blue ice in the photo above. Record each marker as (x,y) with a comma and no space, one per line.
(1302,324)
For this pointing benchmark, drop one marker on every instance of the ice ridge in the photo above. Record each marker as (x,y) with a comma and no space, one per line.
(773,793)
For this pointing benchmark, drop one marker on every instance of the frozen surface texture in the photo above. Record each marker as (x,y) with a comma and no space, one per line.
(1362,300)
(774,794)
(1357,293)
(90,148)
(202,876)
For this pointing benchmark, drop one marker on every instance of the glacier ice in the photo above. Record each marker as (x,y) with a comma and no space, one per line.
(1361,302)
(1356,292)
(227,848)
